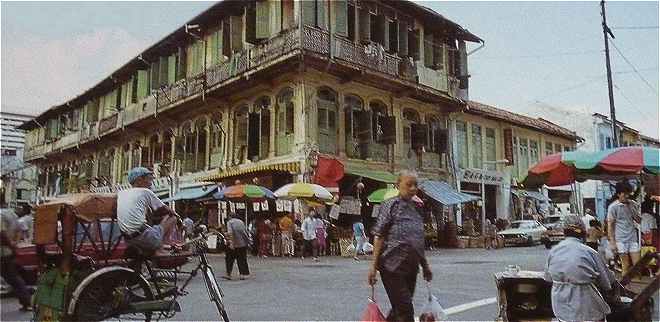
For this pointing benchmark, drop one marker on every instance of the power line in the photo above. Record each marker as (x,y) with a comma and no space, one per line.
(655,91)
(635,28)
(630,102)
(574,53)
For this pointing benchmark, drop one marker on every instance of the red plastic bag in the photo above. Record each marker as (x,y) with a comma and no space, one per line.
(372,313)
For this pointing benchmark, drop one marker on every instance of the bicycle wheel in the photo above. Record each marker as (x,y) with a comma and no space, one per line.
(106,294)
(215,293)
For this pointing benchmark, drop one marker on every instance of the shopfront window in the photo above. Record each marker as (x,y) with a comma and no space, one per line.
(548,148)
(461,143)
(327,120)
(285,119)
(477,147)
(491,152)
(240,134)
(262,106)
(558,148)
(353,109)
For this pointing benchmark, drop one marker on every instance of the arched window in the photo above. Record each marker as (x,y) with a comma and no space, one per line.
(354,112)
(217,140)
(262,106)
(437,133)
(155,155)
(379,111)
(327,120)
(285,121)
(240,134)
(410,117)
(199,152)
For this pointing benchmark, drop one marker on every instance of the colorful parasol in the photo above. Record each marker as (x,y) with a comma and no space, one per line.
(244,191)
(305,191)
(565,168)
(381,195)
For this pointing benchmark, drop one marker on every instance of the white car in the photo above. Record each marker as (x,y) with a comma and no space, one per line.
(525,232)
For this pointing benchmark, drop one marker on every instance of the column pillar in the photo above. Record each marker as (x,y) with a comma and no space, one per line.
(273,123)
(341,120)
(207,155)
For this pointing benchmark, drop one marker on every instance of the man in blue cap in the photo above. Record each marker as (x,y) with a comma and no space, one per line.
(138,204)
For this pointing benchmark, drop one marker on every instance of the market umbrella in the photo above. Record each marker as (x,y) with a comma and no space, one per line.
(244,192)
(304,191)
(381,195)
(565,168)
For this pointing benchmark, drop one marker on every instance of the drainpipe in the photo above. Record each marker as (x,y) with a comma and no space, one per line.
(483,44)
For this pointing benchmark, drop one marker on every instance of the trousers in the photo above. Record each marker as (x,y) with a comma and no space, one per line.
(240,256)
(309,246)
(287,243)
(400,287)
(9,272)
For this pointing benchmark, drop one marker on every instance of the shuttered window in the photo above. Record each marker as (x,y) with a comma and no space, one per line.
(171,69)
(124,94)
(413,44)
(226,38)
(236,30)
(364,24)
(393,30)
(340,23)
(154,73)
(182,63)
(462,144)
(351,22)
(251,21)
(403,38)
(428,50)
(477,147)
(288,10)
(438,53)
(163,65)
(143,84)
(491,152)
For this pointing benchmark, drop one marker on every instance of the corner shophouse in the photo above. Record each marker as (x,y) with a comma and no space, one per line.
(255,89)
(486,133)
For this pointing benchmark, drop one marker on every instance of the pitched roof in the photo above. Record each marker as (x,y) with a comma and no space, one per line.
(538,124)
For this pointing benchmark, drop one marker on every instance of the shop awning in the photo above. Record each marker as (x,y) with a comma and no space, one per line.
(378,175)
(444,193)
(291,167)
(193,193)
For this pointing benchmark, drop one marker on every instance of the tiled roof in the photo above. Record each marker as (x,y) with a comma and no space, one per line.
(521,120)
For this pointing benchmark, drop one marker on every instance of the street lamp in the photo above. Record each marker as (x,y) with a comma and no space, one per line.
(483,192)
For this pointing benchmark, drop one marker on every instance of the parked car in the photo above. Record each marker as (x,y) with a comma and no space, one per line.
(522,232)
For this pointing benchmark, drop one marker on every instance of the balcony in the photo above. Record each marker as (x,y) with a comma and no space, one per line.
(370,57)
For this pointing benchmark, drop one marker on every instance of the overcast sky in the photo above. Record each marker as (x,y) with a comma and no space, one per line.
(536,52)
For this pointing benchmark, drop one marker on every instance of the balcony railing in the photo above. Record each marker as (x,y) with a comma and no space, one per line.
(108,123)
(68,140)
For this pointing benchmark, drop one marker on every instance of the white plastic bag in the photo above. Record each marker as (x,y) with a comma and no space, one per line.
(432,310)
(368,248)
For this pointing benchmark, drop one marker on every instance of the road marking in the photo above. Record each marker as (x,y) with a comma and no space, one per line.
(470,305)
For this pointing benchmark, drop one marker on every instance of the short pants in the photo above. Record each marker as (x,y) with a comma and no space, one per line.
(627,247)
(150,240)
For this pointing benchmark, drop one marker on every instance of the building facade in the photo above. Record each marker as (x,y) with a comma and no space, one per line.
(256,89)
(485,136)
(17,179)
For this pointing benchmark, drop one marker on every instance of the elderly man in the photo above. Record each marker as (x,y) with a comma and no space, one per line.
(136,205)
(622,217)
(577,273)
(399,248)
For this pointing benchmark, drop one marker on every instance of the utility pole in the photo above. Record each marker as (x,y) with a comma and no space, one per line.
(606,30)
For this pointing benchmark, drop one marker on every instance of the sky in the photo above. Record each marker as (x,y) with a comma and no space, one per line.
(535,53)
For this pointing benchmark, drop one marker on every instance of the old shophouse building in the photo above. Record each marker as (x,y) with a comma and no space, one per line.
(484,136)
(258,88)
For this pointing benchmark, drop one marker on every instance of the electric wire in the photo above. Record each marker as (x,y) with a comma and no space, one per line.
(655,91)
(634,28)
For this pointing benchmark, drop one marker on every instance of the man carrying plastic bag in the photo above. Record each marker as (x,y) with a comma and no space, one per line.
(399,248)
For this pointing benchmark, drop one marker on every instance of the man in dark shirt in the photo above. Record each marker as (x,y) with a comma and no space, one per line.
(399,248)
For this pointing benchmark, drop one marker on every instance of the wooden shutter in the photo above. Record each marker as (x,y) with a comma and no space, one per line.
(226,38)
(340,23)
(251,22)
(440,140)
(143,84)
(413,44)
(236,33)
(389,130)
(262,19)
(171,69)
(123,101)
(155,72)
(364,131)
(419,135)
(275,16)
(309,12)
(403,38)
(393,36)
(200,56)
(438,52)
(462,65)
(181,64)
(428,50)
(253,135)
(163,64)
(365,25)
(322,14)
(382,31)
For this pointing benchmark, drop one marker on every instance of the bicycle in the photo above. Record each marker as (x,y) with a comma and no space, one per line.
(139,292)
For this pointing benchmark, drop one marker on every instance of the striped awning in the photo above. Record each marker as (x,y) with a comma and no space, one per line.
(291,167)
(444,193)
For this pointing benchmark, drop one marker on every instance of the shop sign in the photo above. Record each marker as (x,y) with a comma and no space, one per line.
(479,176)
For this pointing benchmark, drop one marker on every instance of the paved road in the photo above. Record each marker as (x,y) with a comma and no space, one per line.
(335,288)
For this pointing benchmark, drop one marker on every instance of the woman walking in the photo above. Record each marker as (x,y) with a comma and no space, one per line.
(321,235)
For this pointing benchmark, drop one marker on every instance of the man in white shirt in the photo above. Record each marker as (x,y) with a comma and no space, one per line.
(137,204)
(587,218)
(309,235)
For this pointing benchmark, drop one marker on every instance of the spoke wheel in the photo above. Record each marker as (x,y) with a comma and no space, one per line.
(109,294)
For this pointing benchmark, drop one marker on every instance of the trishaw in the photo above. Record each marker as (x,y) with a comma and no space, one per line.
(89,273)
(526,295)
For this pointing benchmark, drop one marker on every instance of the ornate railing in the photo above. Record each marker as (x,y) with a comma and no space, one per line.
(108,123)
(67,140)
